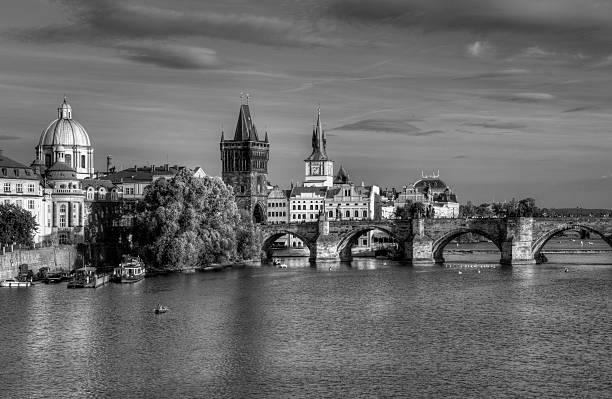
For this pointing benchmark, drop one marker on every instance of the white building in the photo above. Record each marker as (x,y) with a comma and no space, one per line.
(20,186)
(65,140)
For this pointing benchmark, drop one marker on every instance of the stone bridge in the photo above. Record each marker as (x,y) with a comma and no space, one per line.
(422,241)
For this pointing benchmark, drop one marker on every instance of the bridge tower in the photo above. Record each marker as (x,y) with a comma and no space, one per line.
(244,161)
(319,169)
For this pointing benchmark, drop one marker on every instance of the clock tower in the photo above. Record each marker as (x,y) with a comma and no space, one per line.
(319,169)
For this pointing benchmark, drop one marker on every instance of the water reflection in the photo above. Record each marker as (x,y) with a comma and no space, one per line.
(365,328)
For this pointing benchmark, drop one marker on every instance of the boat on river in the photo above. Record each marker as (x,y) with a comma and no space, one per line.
(88,277)
(160,309)
(11,282)
(130,270)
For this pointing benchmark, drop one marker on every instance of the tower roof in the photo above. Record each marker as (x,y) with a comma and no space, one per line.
(245,128)
(342,177)
(319,143)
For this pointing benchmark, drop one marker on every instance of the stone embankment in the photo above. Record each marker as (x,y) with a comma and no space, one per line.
(63,257)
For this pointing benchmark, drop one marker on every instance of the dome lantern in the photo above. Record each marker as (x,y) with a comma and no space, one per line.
(64,111)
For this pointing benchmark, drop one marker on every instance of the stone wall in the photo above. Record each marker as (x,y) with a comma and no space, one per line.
(53,257)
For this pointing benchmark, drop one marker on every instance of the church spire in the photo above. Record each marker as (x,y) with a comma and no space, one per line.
(319,142)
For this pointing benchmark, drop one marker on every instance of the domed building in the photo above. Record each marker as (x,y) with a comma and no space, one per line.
(65,140)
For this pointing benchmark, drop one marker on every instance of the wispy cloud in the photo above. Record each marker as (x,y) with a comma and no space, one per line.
(171,55)
(153,35)
(387,126)
(479,48)
(8,137)
(494,124)
(108,19)
(557,22)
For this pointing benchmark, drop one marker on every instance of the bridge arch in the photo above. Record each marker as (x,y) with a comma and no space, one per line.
(539,243)
(348,240)
(439,244)
(269,238)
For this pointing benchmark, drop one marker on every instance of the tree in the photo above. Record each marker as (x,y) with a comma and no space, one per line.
(17,225)
(191,222)
(526,207)
(417,210)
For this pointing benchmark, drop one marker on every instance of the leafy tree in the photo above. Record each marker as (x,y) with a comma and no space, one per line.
(417,210)
(188,221)
(467,210)
(17,225)
(526,207)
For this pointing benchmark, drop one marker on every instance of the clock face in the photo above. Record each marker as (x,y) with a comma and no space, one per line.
(315,169)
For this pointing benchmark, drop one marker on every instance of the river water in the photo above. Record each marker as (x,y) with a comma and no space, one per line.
(372,329)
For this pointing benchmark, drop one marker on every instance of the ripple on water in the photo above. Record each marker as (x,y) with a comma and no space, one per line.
(370,330)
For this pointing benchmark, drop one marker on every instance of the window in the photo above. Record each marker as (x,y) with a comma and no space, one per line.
(311,208)
(19,187)
(48,160)
(293,207)
(365,214)
(68,159)
(356,214)
(331,214)
(7,187)
(31,188)
(62,216)
(30,204)
(19,203)
(348,214)
(293,217)
(82,161)
(6,202)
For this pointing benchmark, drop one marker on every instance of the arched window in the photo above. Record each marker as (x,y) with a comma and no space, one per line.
(365,214)
(348,214)
(331,214)
(356,214)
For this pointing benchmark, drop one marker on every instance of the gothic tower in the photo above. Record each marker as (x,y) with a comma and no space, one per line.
(244,163)
(319,169)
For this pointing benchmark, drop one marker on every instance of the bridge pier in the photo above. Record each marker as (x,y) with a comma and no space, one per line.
(421,246)
(325,250)
(516,249)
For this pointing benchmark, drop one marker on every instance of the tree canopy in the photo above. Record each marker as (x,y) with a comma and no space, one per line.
(191,222)
(17,225)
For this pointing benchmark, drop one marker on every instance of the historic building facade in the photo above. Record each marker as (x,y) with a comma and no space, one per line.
(20,186)
(65,140)
(244,161)
(437,196)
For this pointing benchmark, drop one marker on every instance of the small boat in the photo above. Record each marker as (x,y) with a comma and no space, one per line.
(130,270)
(282,265)
(11,282)
(160,309)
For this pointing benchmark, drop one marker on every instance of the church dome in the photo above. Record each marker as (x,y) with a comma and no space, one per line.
(64,131)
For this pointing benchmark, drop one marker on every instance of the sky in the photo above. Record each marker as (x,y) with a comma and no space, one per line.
(505,98)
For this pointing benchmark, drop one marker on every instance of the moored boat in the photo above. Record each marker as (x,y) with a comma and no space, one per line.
(11,282)
(88,277)
(130,270)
